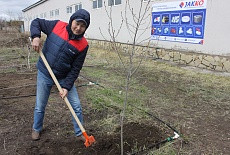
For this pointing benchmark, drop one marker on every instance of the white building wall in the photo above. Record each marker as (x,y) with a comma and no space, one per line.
(217,26)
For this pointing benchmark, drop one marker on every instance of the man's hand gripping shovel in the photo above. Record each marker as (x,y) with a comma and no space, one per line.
(89,140)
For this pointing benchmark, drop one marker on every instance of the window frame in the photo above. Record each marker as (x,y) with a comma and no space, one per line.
(45,15)
(52,13)
(69,9)
(56,12)
(113,2)
(41,15)
(78,6)
(97,4)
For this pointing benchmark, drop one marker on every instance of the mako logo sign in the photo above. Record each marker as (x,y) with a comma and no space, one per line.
(189,4)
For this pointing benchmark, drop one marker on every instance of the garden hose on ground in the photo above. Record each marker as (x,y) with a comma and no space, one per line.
(28,95)
(157,145)
(92,81)
(157,119)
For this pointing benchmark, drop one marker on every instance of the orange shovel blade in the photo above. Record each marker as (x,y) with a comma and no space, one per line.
(89,141)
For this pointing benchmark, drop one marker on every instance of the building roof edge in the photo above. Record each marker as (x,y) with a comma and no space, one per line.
(34,5)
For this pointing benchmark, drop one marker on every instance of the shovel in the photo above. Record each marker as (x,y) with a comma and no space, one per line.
(88,139)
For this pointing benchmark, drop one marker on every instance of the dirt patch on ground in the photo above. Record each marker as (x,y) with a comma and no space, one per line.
(13,39)
(17,93)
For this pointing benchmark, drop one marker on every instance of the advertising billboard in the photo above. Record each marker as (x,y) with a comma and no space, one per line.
(180,21)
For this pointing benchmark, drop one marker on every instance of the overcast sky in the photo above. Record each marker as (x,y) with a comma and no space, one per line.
(14,6)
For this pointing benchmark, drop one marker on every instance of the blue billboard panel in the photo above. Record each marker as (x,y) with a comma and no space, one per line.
(181,21)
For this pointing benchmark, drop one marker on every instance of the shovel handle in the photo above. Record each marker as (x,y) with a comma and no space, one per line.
(60,90)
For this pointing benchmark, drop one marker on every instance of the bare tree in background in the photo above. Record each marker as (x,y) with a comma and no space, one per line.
(14,16)
(15,20)
(134,21)
(2,22)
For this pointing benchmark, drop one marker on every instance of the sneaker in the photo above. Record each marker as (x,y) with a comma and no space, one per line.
(35,135)
(80,138)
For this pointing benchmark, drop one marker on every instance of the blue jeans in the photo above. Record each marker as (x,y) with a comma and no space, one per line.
(44,85)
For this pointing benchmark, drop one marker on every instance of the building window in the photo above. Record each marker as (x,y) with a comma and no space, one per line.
(45,15)
(41,15)
(69,9)
(57,12)
(78,7)
(114,2)
(51,13)
(97,4)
